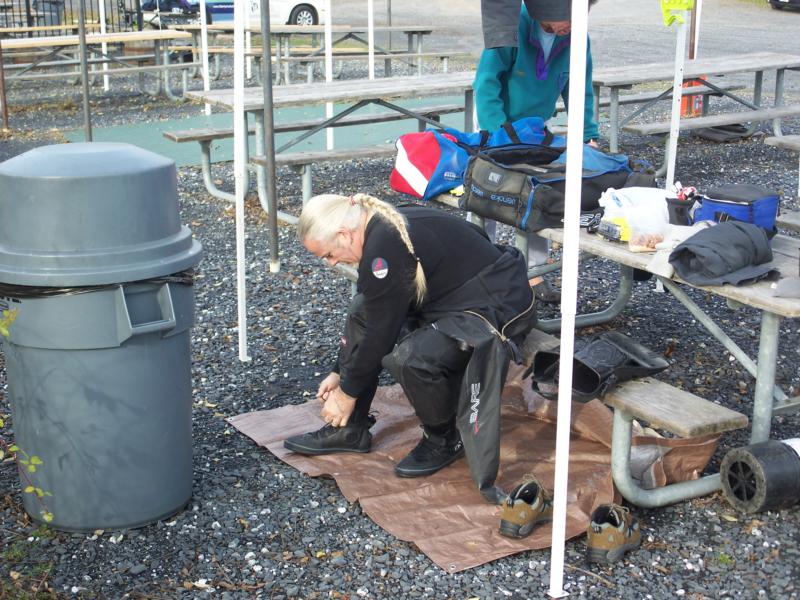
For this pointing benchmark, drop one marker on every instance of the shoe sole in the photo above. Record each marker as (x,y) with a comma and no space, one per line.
(512,530)
(430,471)
(610,556)
(317,451)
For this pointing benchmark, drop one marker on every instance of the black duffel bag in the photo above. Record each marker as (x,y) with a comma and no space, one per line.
(523,184)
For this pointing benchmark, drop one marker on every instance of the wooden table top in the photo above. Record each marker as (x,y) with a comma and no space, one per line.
(255,26)
(721,65)
(785,250)
(351,90)
(94,38)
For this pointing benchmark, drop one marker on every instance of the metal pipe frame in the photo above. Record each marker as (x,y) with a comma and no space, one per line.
(211,188)
(722,337)
(631,491)
(599,317)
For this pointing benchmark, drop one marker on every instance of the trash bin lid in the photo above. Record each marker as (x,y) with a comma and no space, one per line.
(90,213)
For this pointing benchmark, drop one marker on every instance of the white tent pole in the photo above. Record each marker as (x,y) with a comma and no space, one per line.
(240,171)
(569,286)
(204,51)
(104,46)
(248,39)
(328,68)
(677,85)
(371,38)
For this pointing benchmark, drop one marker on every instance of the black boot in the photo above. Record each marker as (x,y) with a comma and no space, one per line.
(353,437)
(545,292)
(434,452)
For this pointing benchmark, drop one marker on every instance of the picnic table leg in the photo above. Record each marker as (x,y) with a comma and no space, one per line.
(261,173)
(765,379)
(469,108)
(288,52)
(164,84)
(205,153)
(776,123)
(613,118)
(278,57)
(419,54)
(758,85)
(158,58)
(599,317)
(631,491)
(718,334)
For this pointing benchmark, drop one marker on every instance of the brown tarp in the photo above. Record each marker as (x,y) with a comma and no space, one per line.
(444,514)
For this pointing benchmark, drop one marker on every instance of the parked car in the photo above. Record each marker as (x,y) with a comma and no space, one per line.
(781,4)
(281,12)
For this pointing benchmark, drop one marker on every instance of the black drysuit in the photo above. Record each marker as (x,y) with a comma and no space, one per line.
(451,353)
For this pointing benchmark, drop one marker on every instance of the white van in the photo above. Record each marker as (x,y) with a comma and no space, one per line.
(281,12)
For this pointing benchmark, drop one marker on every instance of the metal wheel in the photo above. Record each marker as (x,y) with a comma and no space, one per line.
(303,14)
(742,481)
(762,476)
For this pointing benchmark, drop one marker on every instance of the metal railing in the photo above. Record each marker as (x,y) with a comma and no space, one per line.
(120,15)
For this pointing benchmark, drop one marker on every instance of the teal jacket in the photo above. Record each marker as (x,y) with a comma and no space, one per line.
(513,83)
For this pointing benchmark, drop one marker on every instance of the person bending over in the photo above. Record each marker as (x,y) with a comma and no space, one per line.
(436,304)
(514,83)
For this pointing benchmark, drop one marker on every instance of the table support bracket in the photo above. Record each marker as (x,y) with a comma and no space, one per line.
(722,337)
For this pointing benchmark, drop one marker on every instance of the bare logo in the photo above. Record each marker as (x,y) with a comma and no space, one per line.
(474,405)
(495,177)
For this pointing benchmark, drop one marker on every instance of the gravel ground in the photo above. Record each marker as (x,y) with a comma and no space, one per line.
(257,528)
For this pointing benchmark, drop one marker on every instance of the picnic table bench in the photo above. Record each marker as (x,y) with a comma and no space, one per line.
(62,49)
(302,161)
(702,72)
(677,411)
(663,407)
(355,92)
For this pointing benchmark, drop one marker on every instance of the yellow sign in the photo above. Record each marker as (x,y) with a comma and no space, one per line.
(672,10)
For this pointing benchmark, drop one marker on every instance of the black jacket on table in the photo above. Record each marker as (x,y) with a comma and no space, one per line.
(478,293)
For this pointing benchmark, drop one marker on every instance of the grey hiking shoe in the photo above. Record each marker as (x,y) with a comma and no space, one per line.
(612,532)
(528,504)
(431,454)
(353,437)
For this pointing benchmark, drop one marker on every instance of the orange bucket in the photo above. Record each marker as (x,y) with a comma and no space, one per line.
(691,106)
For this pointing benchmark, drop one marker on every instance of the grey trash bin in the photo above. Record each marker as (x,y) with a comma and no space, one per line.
(97,264)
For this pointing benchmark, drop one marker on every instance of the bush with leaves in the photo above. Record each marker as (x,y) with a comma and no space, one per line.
(27,464)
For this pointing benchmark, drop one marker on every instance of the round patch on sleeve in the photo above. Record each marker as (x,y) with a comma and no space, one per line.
(380,268)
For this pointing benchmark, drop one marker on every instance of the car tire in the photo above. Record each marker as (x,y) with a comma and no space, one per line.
(303,14)
(776,6)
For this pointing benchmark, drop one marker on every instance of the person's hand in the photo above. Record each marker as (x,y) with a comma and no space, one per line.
(337,408)
(327,385)
(593,143)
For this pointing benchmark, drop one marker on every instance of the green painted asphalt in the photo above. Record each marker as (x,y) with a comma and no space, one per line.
(150,135)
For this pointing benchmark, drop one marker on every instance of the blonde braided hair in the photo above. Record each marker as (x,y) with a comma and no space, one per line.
(325,215)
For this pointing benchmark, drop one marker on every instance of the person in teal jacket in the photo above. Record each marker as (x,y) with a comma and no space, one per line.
(513,83)
(527,81)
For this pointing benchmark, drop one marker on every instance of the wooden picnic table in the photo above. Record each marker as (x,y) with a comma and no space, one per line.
(355,92)
(351,91)
(700,71)
(122,37)
(282,34)
(57,52)
(768,399)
